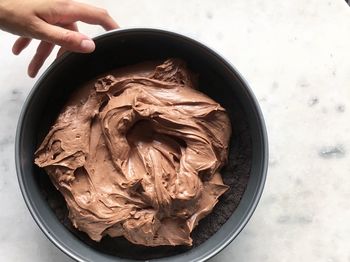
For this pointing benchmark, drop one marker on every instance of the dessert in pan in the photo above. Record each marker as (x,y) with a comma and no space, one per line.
(137,153)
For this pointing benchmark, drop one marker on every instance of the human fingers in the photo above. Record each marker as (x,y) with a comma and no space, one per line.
(43,51)
(20,44)
(90,14)
(68,39)
(73,27)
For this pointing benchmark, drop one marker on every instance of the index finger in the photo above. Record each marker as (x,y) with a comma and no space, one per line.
(91,15)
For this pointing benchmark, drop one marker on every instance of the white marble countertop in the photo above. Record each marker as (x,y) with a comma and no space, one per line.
(296,57)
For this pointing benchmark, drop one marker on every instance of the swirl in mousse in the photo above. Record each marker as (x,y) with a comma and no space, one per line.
(137,153)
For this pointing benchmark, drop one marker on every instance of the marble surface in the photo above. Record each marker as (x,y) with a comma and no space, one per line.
(296,57)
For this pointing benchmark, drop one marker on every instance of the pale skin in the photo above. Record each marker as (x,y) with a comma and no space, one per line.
(54,23)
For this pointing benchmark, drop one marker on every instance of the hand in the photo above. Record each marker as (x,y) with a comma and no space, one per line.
(54,23)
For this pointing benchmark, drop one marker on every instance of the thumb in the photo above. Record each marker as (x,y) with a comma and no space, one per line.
(68,39)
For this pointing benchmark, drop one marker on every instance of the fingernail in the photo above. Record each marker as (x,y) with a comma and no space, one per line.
(87,45)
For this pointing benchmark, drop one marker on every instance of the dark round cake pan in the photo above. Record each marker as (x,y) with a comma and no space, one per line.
(248,158)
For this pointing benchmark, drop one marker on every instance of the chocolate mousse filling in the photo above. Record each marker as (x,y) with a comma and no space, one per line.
(138,154)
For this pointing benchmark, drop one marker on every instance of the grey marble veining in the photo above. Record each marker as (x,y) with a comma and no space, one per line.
(296,57)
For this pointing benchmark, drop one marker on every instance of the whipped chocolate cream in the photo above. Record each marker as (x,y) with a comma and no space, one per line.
(138,154)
